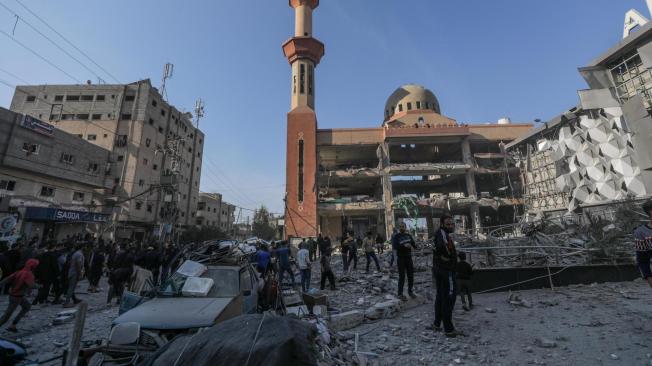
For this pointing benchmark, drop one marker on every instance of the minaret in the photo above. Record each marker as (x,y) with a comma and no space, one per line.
(303,53)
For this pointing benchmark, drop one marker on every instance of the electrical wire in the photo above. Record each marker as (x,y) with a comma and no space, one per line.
(15,76)
(49,40)
(67,41)
(39,56)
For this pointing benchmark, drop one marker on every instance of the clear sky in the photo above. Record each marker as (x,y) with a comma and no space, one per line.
(483,59)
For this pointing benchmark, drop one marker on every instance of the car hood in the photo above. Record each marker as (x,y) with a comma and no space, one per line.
(175,313)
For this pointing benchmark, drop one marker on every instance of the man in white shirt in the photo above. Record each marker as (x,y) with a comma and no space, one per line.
(304,266)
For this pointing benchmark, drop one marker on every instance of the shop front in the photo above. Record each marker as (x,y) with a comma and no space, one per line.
(57,223)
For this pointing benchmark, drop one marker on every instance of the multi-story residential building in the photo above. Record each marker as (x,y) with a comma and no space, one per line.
(150,140)
(212,211)
(209,210)
(51,181)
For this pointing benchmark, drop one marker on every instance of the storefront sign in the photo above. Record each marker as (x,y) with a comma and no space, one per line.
(60,215)
(37,125)
(7,224)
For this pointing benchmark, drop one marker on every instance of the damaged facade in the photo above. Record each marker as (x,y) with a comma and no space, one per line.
(597,152)
(362,179)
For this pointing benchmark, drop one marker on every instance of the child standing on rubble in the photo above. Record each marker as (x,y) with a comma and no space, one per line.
(643,244)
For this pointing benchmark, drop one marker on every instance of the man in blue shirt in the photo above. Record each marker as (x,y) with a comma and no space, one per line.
(262,260)
(283,255)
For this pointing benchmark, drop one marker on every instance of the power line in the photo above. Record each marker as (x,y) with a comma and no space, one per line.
(39,56)
(50,40)
(14,76)
(69,42)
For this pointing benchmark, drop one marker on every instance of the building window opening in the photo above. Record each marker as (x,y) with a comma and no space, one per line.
(409,106)
(302,78)
(418,105)
(47,191)
(311,79)
(300,187)
(400,107)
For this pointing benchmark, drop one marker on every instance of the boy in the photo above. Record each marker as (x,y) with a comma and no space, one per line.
(464,272)
(303,259)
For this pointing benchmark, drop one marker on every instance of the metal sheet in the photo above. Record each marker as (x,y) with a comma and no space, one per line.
(640,124)
(645,52)
(597,77)
(597,98)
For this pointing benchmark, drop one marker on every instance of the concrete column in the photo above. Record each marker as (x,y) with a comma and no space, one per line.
(474,211)
(383,166)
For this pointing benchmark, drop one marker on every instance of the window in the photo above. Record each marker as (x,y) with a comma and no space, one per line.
(200,141)
(145,161)
(199,155)
(47,191)
(148,142)
(87,98)
(190,149)
(129,98)
(58,98)
(149,208)
(162,112)
(93,167)
(82,116)
(7,185)
(427,105)
(418,105)
(96,117)
(300,177)
(154,167)
(154,103)
(91,137)
(121,141)
(105,135)
(54,117)
(400,107)
(160,129)
(302,78)
(100,97)
(80,136)
(30,98)
(67,158)
(141,183)
(310,79)
(121,158)
(31,148)
(184,196)
(78,196)
(72,98)
(67,117)
(183,214)
(409,106)
(125,116)
(139,205)
(201,206)
(151,121)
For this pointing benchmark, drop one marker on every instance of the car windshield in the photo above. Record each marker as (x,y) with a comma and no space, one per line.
(226,284)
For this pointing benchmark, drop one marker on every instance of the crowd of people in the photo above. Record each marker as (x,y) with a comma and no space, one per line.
(54,269)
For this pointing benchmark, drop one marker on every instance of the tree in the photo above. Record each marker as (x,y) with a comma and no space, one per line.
(262,227)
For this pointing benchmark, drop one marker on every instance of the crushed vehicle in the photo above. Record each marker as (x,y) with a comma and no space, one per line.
(213,284)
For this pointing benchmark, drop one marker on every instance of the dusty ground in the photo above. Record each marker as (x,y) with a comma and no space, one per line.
(599,324)
(45,340)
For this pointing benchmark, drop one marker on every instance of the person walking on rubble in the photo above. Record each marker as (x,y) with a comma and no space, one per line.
(380,243)
(283,255)
(74,275)
(312,249)
(326,271)
(369,252)
(345,246)
(444,264)
(22,282)
(643,244)
(303,259)
(404,242)
(464,272)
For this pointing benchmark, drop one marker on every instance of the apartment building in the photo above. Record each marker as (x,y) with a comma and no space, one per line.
(51,181)
(156,152)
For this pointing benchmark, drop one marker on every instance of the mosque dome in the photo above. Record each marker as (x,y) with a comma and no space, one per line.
(410,97)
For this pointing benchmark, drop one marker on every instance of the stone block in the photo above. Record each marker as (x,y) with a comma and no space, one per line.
(347,320)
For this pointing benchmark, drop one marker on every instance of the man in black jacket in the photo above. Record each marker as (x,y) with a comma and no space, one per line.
(403,242)
(444,263)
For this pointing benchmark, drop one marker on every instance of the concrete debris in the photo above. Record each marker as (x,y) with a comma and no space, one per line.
(545,343)
(346,320)
(516,300)
(386,309)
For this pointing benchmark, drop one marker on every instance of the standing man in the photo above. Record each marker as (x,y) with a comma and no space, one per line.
(47,273)
(326,271)
(345,246)
(312,249)
(96,268)
(303,259)
(262,260)
(643,245)
(283,255)
(404,242)
(380,243)
(22,282)
(444,264)
(75,273)
(320,244)
(369,252)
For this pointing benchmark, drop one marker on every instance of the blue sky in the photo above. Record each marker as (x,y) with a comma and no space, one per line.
(483,59)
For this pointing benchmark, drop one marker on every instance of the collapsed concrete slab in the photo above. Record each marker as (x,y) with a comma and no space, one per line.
(347,320)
